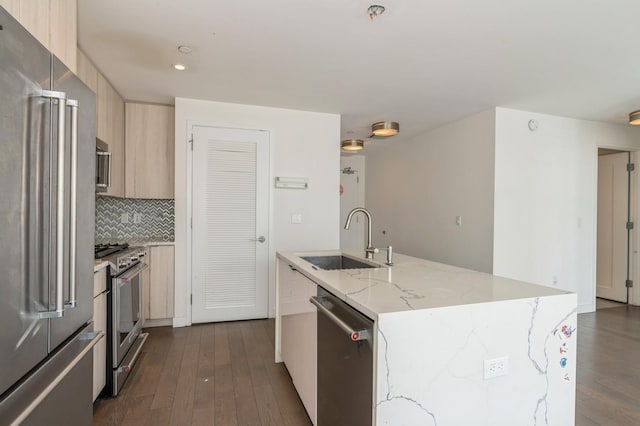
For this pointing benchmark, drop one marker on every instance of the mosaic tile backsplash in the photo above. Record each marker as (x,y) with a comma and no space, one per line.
(130,220)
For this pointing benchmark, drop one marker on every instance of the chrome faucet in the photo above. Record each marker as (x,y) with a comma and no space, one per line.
(369,250)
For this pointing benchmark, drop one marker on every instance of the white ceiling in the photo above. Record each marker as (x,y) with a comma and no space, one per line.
(422,63)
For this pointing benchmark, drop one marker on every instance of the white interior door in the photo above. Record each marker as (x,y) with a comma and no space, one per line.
(230,210)
(612,250)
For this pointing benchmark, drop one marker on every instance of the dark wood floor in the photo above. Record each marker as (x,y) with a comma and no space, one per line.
(608,391)
(224,374)
(211,374)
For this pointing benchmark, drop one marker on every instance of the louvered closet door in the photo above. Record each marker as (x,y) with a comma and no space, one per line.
(230,223)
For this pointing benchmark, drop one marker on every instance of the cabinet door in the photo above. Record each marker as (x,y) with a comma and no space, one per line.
(102,108)
(161,282)
(146,288)
(63,38)
(87,72)
(298,333)
(52,22)
(116,146)
(100,349)
(110,128)
(149,142)
(34,16)
(12,6)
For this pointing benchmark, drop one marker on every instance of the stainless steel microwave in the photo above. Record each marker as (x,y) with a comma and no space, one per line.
(103,166)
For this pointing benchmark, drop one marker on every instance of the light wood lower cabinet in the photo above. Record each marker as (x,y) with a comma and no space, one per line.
(297,322)
(158,284)
(99,324)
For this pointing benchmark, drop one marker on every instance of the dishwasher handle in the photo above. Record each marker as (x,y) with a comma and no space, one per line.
(355,335)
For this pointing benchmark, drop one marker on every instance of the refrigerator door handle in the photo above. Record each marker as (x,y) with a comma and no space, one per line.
(58,310)
(73,213)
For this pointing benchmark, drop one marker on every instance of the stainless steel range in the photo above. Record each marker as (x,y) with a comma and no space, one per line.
(124,306)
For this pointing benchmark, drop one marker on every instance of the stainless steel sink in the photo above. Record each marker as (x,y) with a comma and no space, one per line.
(338,262)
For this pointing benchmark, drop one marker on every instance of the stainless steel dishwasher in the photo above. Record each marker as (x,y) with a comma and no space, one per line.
(345,363)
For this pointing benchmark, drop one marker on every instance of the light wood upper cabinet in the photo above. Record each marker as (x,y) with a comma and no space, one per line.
(63,31)
(12,6)
(116,145)
(161,281)
(149,142)
(102,109)
(110,129)
(87,72)
(34,16)
(53,22)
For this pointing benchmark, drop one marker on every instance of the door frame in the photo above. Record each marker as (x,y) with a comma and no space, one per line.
(634,203)
(188,288)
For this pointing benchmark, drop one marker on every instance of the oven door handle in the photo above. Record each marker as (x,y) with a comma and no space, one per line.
(130,274)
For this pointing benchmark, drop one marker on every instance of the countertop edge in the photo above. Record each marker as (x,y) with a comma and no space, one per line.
(99,264)
(306,269)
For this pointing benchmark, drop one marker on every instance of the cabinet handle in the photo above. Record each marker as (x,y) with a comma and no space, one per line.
(292,268)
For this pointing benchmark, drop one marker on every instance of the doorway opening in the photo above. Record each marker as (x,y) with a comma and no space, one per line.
(352,195)
(614,228)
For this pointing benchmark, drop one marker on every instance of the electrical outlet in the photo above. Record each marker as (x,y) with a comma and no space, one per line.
(496,367)
(296,218)
(458,220)
(137,217)
(124,218)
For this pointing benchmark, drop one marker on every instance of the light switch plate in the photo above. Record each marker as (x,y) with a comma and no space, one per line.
(124,218)
(296,218)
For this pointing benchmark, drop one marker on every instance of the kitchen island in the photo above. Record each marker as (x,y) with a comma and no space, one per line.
(435,326)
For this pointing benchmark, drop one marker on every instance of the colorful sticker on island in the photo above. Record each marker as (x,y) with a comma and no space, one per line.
(565,332)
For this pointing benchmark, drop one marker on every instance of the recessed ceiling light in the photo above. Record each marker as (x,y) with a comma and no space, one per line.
(179,67)
(185,49)
(634,118)
(375,10)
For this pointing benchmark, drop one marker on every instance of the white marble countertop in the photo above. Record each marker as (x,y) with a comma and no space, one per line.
(412,284)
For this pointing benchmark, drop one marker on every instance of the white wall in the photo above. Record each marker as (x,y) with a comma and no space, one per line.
(303,144)
(416,189)
(352,197)
(545,198)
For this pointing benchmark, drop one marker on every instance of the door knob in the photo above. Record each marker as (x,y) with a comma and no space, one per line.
(260,239)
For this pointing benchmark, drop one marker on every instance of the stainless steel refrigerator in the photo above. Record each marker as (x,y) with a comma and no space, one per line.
(47,203)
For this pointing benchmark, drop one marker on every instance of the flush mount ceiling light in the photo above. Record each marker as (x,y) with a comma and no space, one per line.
(179,67)
(375,10)
(634,118)
(352,144)
(384,129)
